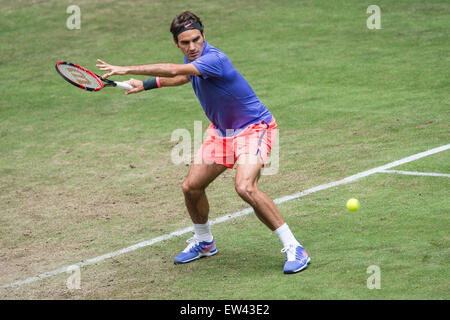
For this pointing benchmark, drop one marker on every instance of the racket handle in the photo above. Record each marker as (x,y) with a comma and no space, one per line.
(124,85)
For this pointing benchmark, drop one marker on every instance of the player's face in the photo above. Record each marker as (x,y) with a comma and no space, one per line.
(191,42)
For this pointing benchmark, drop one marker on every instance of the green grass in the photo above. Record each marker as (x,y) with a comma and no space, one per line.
(402,232)
(437,163)
(83,174)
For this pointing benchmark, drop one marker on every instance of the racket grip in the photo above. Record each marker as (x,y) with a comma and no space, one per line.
(124,85)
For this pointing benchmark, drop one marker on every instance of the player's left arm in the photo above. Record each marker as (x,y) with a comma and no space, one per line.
(168,70)
(138,85)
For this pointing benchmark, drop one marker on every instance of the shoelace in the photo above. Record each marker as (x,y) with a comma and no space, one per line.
(193,244)
(291,253)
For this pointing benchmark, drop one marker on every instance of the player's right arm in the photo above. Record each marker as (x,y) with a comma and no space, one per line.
(138,85)
(169,70)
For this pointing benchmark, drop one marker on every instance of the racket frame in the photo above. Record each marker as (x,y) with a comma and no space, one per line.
(99,79)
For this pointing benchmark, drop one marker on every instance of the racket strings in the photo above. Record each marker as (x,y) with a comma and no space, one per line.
(80,76)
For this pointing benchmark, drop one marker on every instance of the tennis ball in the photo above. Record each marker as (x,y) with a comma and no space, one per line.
(353,204)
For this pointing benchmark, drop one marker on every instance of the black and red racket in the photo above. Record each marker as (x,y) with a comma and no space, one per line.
(86,79)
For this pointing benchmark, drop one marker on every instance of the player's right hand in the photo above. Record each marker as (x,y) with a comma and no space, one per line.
(137,85)
(113,70)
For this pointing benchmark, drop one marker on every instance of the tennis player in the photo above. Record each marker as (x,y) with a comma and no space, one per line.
(241,134)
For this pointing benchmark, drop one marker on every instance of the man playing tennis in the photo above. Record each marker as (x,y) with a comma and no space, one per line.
(241,133)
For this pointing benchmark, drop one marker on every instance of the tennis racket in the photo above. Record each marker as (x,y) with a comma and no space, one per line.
(85,79)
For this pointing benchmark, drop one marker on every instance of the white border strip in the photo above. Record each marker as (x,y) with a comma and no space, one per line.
(230,216)
(415,173)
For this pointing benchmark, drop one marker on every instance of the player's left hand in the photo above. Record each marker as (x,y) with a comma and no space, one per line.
(138,86)
(112,69)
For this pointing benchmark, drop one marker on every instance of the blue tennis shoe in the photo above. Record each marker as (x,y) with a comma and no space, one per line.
(196,250)
(296,259)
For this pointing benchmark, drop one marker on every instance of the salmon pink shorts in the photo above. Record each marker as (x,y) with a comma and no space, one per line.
(256,139)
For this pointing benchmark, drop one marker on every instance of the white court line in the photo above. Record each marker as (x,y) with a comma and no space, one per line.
(415,173)
(230,216)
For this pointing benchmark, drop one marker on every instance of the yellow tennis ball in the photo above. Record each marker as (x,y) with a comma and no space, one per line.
(353,204)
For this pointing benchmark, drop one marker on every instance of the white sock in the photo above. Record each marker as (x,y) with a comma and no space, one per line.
(203,232)
(286,236)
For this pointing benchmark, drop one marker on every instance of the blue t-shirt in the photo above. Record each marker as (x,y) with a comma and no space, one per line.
(226,97)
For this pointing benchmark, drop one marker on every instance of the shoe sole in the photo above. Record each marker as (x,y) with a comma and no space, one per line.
(201,255)
(299,269)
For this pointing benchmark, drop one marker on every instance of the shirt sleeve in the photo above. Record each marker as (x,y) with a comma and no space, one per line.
(209,65)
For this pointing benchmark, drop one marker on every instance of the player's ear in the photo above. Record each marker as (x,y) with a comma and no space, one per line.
(176,42)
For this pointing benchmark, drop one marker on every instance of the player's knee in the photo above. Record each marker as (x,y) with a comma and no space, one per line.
(189,188)
(186,187)
(245,189)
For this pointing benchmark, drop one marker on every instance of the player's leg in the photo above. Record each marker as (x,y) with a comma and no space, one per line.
(202,172)
(202,244)
(194,186)
(206,167)
(248,172)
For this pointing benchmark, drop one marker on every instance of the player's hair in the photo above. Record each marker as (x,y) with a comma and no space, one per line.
(181,20)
